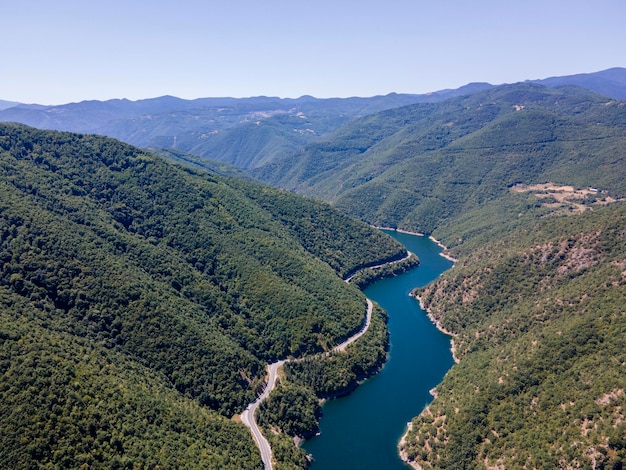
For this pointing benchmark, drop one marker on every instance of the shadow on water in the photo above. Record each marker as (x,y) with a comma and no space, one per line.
(362,430)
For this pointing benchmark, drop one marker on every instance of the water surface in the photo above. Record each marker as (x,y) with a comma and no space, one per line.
(362,430)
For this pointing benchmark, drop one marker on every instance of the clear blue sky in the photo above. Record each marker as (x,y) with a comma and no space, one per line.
(71,50)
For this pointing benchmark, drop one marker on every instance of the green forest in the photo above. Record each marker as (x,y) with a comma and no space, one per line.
(294,409)
(422,167)
(143,292)
(540,322)
(141,301)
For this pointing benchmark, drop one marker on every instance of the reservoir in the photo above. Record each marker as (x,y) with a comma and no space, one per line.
(362,430)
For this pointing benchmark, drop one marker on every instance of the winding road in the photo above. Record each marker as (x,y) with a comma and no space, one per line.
(247,417)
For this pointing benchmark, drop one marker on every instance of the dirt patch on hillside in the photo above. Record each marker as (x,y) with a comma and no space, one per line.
(565,199)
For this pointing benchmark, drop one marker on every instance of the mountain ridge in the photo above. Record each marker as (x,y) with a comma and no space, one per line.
(214,127)
(610,82)
(538,315)
(410,167)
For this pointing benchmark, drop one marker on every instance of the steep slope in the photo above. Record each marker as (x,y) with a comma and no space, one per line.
(196,162)
(540,321)
(177,285)
(527,185)
(416,167)
(69,402)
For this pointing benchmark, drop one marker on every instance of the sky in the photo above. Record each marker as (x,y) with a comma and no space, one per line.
(65,51)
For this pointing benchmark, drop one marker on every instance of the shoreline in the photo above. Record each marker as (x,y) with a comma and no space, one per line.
(438,325)
(433,391)
(378,266)
(403,455)
(445,253)
(431,317)
(399,230)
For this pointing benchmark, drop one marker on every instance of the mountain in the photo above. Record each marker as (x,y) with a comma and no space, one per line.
(141,301)
(610,82)
(539,318)
(203,125)
(247,132)
(421,166)
(526,184)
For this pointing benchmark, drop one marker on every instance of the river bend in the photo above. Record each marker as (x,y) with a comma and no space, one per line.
(362,430)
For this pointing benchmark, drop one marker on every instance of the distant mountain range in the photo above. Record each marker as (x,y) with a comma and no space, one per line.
(248,132)
(610,82)
(8,104)
(208,126)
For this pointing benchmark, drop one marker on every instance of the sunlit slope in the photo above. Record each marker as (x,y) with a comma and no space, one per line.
(420,165)
(540,318)
(115,260)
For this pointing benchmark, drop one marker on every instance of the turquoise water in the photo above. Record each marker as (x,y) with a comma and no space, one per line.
(362,430)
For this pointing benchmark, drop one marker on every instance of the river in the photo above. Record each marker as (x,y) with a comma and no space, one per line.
(362,430)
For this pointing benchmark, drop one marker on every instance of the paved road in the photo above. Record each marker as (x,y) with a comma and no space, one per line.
(361,332)
(408,255)
(247,417)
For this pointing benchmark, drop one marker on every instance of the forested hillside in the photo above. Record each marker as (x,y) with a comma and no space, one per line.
(242,131)
(423,166)
(141,300)
(527,185)
(539,315)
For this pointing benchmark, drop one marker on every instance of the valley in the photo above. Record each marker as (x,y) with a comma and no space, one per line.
(419,357)
(143,291)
